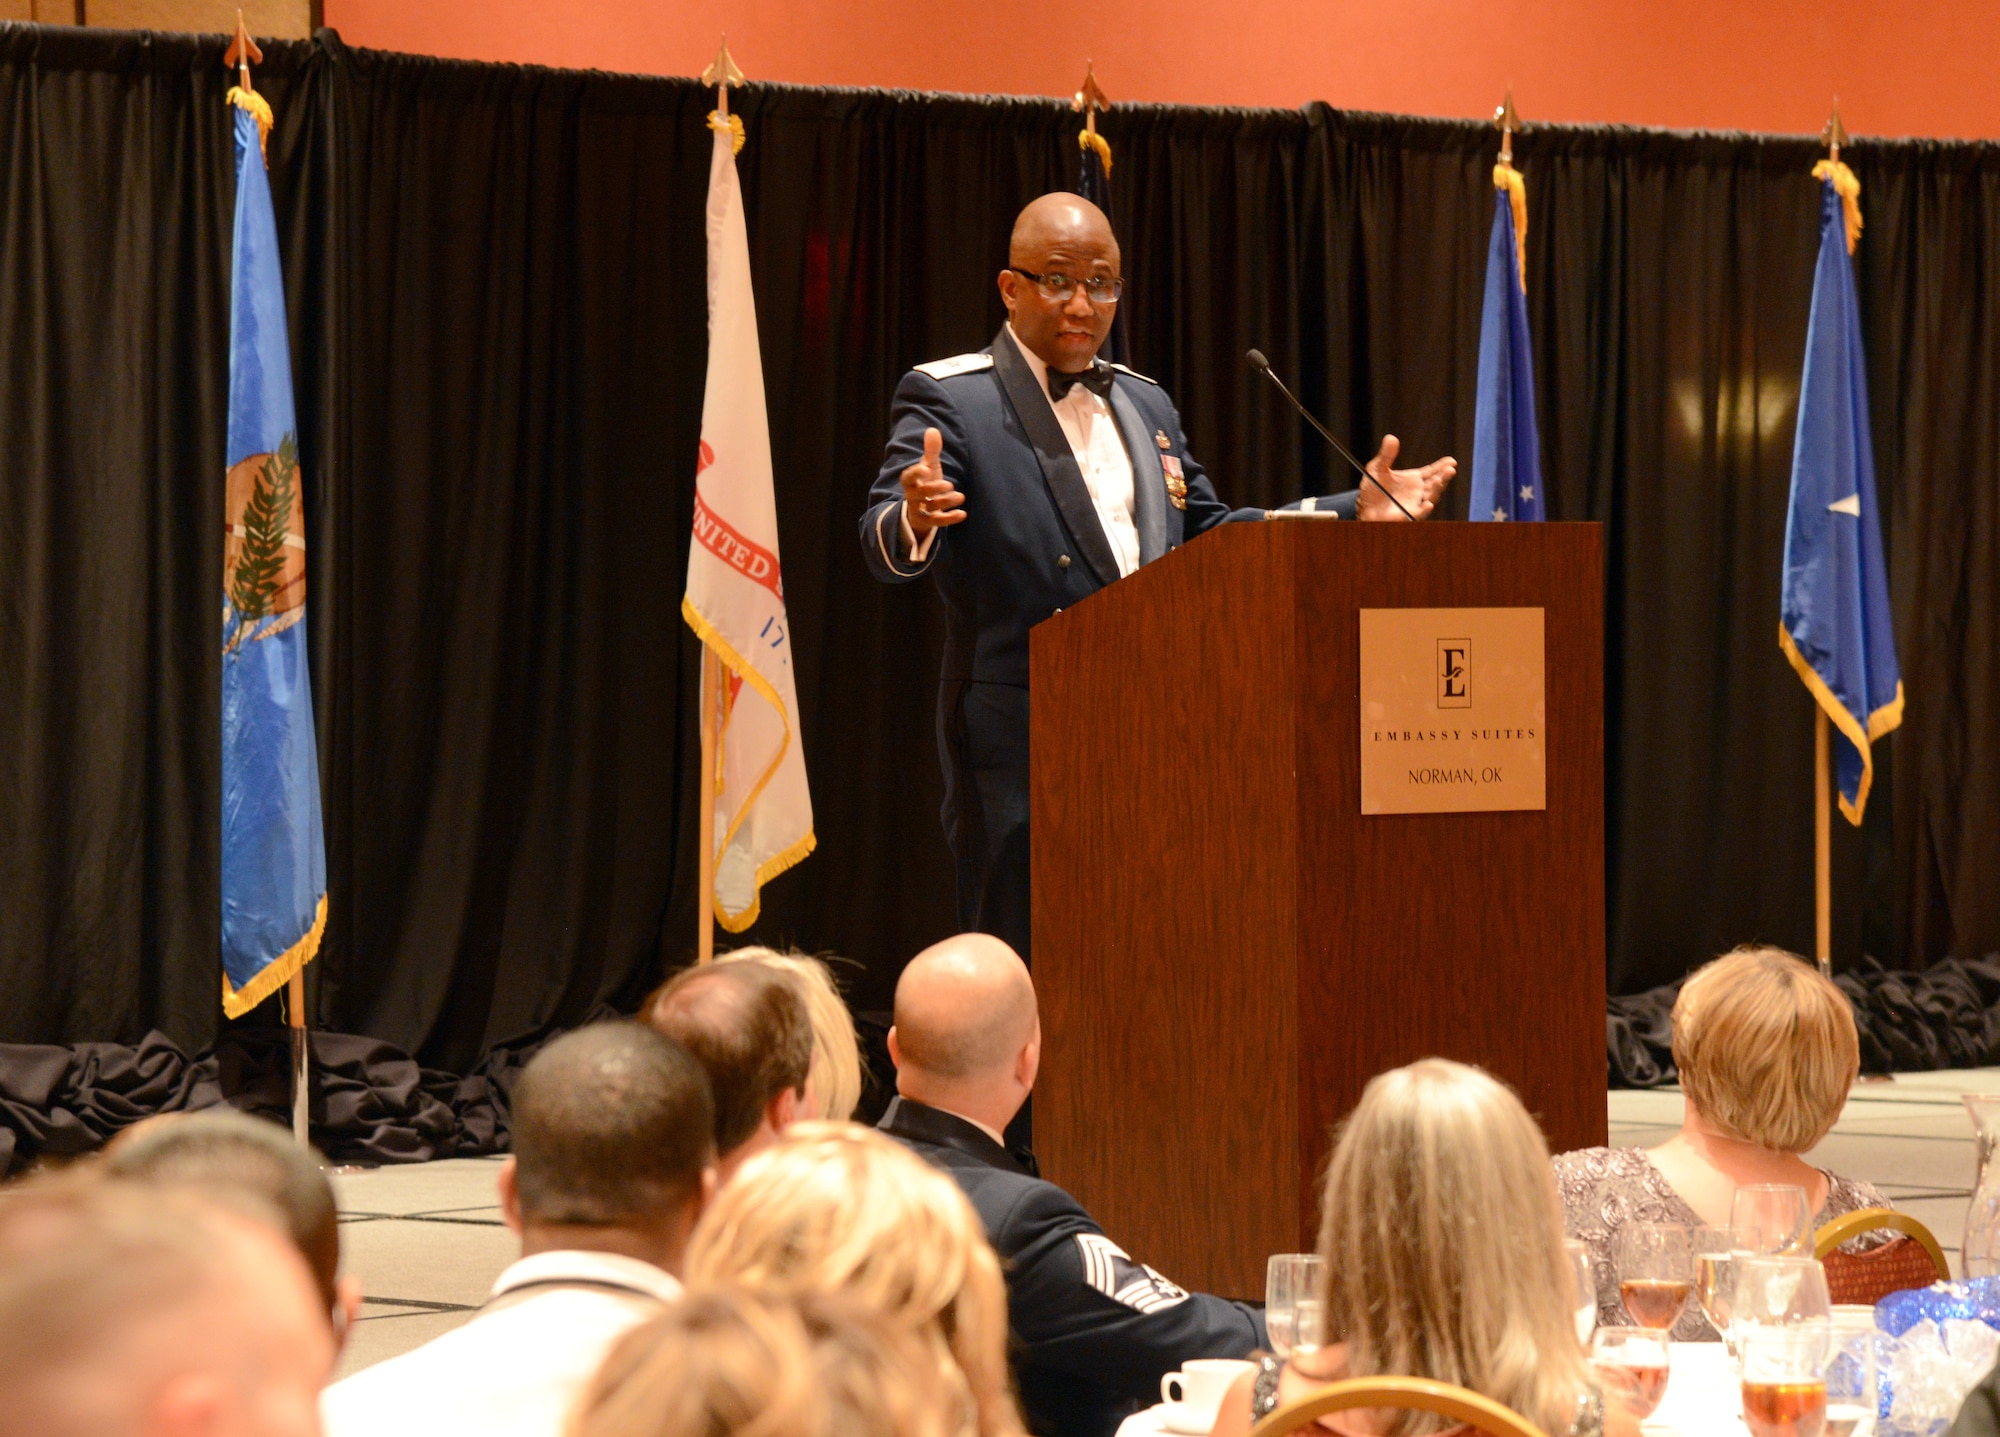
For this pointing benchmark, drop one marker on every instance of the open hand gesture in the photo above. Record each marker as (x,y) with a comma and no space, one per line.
(928,497)
(1418,489)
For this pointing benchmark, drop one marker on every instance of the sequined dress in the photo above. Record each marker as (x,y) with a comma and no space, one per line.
(1604,1188)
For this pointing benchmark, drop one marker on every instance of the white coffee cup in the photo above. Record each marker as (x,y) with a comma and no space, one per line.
(1200,1385)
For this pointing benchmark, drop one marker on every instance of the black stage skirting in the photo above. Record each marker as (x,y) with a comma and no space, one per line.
(1947,1016)
(372,1102)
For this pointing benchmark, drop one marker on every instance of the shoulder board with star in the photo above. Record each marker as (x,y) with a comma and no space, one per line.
(958,364)
(1123,369)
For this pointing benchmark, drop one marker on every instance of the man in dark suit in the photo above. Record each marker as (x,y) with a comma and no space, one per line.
(1029,476)
(1093,1331)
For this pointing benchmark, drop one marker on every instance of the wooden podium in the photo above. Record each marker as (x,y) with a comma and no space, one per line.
(1226,948)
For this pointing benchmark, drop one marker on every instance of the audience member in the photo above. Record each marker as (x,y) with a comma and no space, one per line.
(1767,1051)
(833,1084)
(613,1162)
(836,1208)
(126,1312)
(221,1154)
(1095,1330)
(729,1364)
(748,1025)
(1443,1247)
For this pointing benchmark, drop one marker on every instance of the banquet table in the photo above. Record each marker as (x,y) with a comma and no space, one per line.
(1704,1399)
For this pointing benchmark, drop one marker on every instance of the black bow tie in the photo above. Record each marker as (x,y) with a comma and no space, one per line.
(1097,379)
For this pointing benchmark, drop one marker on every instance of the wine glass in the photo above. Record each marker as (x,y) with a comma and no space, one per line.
(1655,1272)
(1714,1251)
(1851,1380)
(1295,1302)
(1631,1365)
(1586,1287)
(1778,1292)
(1777,1218)
(1785,1379)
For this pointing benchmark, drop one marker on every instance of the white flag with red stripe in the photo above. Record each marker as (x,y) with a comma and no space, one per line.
(735,589)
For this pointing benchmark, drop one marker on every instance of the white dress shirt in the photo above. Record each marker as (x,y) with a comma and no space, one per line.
(515,1369)
(1092,432)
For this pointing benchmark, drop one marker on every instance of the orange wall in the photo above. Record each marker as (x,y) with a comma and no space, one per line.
(1924,67)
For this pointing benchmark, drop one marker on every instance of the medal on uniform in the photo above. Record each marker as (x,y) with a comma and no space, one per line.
(1160,438)
(1176,483)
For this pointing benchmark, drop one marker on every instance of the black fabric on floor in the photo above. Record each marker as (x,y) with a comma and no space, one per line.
(371,1102)
(1947,1016)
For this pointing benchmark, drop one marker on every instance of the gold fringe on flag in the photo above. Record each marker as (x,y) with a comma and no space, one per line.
(258,106)
(1506,177)
(1091,140)
(1849,189)
(731,123)
(278,972)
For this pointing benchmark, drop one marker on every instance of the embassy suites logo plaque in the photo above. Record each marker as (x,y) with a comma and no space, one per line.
(1452,712)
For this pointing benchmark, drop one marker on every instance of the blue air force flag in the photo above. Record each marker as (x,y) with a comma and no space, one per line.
(1506,451)
(1834,611)
(273,858)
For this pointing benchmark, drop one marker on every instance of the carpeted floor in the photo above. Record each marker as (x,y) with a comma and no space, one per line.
(427,1241)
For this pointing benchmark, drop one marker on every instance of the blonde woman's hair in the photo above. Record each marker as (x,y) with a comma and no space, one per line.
(1766,1048)
(837,1208)
(726,1363)
(833,1086)
(1442,1235)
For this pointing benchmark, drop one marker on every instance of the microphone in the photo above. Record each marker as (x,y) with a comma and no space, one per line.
(1263,366)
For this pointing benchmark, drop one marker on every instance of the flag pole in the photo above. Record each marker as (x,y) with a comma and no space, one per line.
(301,1060)
(242,52)
(1822,845)
(711,686)
(1832,136)
(721,73)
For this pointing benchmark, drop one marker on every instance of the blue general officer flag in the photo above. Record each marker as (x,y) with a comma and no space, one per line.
(1834,613)
(1506,451)
(273,854)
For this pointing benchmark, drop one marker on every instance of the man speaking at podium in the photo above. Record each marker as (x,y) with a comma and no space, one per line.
(1029,476)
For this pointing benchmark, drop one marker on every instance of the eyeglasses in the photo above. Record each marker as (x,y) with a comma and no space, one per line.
(1102,289)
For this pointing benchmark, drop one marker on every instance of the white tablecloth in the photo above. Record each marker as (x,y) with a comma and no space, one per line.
(1704,1399)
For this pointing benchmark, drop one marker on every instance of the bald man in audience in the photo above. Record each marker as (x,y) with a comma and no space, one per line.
(1094,1330)
(227,1156)
(747,1023)
(133,1313)
(613,1162)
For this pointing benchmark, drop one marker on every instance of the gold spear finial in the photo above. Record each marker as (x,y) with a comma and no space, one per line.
(242,53)
(1090,98)
(1835,133)
(722,73)
(1508,123)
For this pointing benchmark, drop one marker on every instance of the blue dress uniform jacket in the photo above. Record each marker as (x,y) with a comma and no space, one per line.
(1092,1331)
(1030,545)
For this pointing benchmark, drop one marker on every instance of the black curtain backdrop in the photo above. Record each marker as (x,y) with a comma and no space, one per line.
(496,284)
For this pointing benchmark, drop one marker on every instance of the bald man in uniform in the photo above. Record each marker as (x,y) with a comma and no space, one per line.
(1029,476)
(1094,1331)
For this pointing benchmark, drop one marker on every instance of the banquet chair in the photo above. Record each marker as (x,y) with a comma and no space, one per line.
(1410,1393)
(1912,1260)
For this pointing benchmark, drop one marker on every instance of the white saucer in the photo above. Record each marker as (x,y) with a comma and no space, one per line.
(1181,1418)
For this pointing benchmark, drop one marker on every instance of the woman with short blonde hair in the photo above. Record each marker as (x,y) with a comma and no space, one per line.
(837,1208)
(1443,1245)
(725,1363)
(833,1085)
(1767,1050)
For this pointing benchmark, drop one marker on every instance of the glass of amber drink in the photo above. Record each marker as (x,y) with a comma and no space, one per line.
(1631,1365)
(1655,1272)
(1784,1378)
